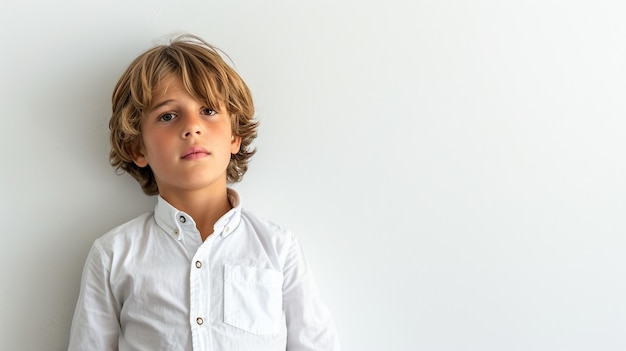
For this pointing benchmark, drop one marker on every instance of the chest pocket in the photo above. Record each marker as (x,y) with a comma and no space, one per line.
(253,299)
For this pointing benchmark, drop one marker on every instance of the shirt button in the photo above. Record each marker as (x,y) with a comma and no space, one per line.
(182,219)
(227,230)
(198,264)
(176,232)
(199,321)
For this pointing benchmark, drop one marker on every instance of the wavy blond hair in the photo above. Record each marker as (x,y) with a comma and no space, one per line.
(205,76)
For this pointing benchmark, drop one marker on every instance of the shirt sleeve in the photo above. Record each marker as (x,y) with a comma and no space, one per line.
(95,326)
(309,324)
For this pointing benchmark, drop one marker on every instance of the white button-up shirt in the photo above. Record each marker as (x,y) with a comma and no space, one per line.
(152,284)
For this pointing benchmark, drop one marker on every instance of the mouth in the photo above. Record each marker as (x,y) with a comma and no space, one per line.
(195,152)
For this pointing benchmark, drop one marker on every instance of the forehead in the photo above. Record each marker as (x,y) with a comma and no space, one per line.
(171,87)
(168,84)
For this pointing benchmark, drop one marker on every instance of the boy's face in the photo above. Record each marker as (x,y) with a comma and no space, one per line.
(186,144)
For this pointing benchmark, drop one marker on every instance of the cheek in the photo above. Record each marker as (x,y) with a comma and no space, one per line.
(154,146)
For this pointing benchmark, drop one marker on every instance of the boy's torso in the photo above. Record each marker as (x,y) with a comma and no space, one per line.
(175,292)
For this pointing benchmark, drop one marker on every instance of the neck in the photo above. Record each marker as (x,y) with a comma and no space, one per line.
(204,207)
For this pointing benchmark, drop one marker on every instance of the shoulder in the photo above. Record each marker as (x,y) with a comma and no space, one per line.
(126,234)
(258,234)
(264,226)
(266,231)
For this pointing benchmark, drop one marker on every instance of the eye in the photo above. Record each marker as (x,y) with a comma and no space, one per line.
(166,117)
(209,112)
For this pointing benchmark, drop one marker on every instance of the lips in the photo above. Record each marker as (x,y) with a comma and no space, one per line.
(195,152)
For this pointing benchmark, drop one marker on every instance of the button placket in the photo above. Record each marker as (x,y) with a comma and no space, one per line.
(200,288)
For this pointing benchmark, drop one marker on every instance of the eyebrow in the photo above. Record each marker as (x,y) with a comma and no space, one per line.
(159,105)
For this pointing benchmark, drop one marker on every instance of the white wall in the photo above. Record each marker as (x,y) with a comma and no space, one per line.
(454,169)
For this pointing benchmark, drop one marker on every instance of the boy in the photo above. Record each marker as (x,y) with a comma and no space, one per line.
(199,272)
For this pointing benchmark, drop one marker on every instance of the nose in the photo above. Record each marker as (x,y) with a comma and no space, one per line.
(192,126)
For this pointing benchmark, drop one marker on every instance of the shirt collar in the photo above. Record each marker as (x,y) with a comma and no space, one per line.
(174,222)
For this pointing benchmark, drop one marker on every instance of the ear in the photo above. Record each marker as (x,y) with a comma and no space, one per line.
(139,158)
(235,144)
